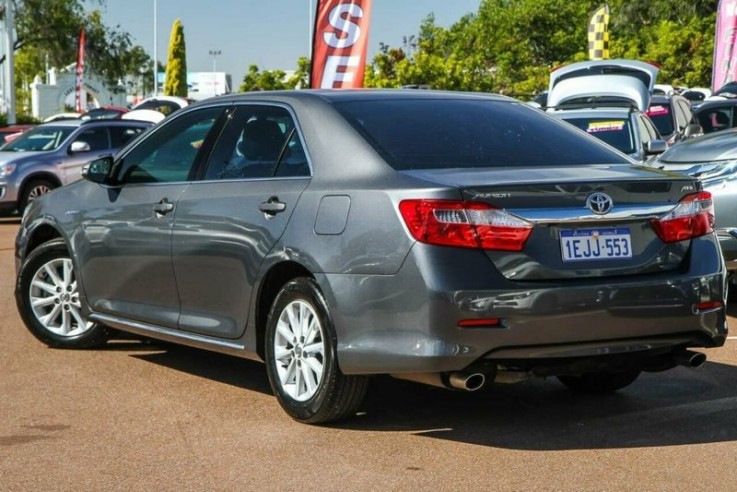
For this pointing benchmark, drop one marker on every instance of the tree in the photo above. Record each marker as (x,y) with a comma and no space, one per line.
(274,80)
(51,28)
(176,65)
(511,46)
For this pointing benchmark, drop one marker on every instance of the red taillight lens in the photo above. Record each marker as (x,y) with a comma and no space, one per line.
(464,224)
(693,217)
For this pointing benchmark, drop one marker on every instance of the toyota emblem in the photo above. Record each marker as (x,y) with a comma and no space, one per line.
(600,203)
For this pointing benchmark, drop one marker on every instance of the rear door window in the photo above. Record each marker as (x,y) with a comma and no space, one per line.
(121,135)
(97,138)
(259,141)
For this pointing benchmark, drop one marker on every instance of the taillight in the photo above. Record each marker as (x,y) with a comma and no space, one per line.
(693,217)
(464,224)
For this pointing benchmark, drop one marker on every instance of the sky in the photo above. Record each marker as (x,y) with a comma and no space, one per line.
(271,34)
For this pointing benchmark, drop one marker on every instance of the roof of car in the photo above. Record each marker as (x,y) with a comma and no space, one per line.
(77,122)
(352,95)
(716,103)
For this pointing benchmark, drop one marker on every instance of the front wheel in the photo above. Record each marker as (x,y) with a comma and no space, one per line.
(47,295)
(301,360)
(33,190)
(600,382)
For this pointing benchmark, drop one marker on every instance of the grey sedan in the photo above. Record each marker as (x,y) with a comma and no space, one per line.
(446,238)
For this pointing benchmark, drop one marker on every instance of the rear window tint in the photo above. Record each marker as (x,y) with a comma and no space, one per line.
(615,132)
(660,115)
(469,133)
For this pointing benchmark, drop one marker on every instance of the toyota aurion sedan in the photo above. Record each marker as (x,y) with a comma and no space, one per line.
(445,238)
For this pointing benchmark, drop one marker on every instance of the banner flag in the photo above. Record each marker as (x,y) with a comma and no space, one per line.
(725,66)
(599,34)
(78,91)
(339,43)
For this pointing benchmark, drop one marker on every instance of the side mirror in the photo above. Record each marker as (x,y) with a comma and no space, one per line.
(98,171)
(655,147)
(693,130)
(79,146)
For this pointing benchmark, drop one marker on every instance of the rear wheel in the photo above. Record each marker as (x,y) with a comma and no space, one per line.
(301,360)
(33,190)
(600,382)
(48,300)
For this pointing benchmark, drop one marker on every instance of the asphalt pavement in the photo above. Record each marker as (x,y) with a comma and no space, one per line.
(148,416)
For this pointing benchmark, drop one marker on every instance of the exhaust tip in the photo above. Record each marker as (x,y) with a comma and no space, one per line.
(466,381)
(689,358)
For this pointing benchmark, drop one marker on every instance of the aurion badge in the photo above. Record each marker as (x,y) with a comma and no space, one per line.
(600,203)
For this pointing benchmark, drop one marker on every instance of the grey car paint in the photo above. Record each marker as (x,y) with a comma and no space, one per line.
(395,302)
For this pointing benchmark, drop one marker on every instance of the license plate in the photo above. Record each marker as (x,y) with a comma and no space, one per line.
(595,244)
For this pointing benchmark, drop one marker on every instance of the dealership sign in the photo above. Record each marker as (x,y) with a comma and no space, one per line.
(340,43)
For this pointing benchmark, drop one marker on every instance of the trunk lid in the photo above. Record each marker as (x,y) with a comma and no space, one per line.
(567,229)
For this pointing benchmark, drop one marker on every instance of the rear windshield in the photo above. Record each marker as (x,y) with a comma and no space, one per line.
(661,115)
(469,133)
(617,132)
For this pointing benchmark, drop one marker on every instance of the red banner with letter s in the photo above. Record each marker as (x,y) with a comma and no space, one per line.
(79,102)
(339,44)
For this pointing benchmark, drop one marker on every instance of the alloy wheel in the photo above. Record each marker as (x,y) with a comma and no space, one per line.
(299,350)
(54,299)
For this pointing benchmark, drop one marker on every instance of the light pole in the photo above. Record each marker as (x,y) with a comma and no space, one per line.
(156,61)
(214,54)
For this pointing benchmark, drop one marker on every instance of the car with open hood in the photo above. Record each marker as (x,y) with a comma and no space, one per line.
(607,99)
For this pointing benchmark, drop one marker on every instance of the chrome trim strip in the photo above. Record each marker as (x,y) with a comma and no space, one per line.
(618,213)
(176,336)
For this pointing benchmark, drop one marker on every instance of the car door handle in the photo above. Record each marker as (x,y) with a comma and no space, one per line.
(272,206)
(163,207)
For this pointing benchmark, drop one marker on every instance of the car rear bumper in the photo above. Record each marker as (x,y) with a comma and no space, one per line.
(728,243)
(409,322)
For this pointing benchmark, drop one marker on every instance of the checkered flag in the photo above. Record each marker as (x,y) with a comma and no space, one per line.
(599,34)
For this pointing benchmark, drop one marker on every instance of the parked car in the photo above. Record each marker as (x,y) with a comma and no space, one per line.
(52,154)
(163,104)
(8,133)
(713,159)
(445,238)
(674,118)
(62,116)
(606,99)
(104,112)
(717,114)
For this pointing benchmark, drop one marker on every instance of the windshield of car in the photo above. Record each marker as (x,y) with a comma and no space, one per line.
(614,131)
(43,138)
(660,114)
(469,133)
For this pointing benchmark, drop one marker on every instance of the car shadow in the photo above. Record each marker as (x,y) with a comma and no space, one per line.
(681,406)
(234,371)
(678,407)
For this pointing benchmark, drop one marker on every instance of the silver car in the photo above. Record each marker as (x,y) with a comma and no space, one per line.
(713,159)
(52,155)
(446,238)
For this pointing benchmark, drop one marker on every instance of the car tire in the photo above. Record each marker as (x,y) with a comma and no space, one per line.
(600,382)
(32,190)
(301,358)
(47,295)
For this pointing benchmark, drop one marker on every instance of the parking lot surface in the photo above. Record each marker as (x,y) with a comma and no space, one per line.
(147,416)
